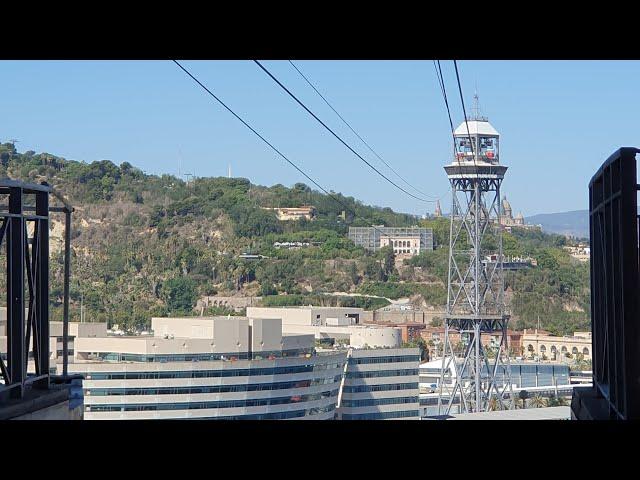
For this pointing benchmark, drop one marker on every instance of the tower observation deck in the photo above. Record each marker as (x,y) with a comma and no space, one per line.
(475,291)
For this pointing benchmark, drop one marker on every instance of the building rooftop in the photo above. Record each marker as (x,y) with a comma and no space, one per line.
(547,413)
(476,127)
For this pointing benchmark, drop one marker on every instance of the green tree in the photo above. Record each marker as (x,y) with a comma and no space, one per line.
(179,294)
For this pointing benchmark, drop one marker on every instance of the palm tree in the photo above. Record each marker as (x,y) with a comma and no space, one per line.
(537,402)
(556,401)
(561,402)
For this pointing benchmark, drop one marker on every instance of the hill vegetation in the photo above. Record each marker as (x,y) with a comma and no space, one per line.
(148,245)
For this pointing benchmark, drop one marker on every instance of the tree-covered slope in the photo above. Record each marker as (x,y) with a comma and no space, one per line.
(147,245)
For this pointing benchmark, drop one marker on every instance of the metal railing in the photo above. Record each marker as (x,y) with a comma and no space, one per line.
(613,214)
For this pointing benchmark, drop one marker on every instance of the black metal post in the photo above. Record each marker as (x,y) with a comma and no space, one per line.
(67,274)
(16,354)
(42,287)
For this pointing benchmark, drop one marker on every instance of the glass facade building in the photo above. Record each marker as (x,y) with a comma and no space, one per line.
(381,384)
(281,388)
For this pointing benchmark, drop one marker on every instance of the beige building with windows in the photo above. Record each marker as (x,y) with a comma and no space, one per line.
(401,244)
(294,213)
(551,347)
(407,241)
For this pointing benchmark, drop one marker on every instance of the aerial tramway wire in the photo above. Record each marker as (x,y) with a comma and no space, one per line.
(356,133)
(255,132)
(337,136)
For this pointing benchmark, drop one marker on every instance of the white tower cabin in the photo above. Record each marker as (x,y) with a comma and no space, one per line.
(475,290)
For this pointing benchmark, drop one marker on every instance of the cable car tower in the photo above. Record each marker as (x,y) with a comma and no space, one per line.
(475,376)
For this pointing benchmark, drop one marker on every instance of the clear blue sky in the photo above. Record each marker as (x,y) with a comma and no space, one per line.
(559,120)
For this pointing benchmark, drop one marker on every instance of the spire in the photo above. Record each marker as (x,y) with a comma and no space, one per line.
(476,104)
(438,212)
(475,111)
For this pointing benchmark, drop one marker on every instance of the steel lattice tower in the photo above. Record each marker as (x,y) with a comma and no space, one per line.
(475,296)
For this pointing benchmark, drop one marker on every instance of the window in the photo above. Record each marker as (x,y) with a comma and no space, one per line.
(383,373)
(219,404)
(368,360)
(380,388)
(370,402)
(382,416)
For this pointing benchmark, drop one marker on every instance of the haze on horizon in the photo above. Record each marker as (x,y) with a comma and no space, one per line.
(558,120)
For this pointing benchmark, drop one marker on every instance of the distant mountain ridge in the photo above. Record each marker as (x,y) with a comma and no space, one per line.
(574,223)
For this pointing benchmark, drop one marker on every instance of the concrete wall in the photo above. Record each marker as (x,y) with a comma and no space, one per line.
(149,345)
(307,315)
(77,329)
(289,316)
(297,342)
(266,334)
(60,411)
(376,337)
(402,316)
(237,303)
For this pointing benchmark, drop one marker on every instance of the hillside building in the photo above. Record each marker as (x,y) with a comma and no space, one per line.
(580,252)
(406,241)
(285,214)
(508,221)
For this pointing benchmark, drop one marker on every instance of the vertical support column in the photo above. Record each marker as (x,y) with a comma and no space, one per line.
(501,305)
(67,274)
(42,287)
(16,354)
(476,333)
(476,246)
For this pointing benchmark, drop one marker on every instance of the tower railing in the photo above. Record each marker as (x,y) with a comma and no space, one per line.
(615,292)
(24,232)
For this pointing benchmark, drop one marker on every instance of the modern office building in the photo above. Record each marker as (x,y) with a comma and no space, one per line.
(208,368)
(381,384)
(381,378)
(264,366)
(407,241)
